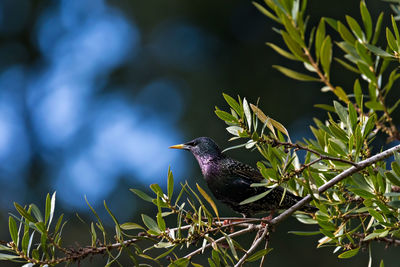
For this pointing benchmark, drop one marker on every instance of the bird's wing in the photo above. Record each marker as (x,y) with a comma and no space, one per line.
(245,172)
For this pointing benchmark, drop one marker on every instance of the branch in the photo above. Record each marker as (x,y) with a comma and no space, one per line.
(354,169)
(250,228)
(74,255)
(387,240)
(253,247)
(320,156)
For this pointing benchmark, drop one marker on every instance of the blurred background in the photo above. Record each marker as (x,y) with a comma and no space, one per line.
(93,92)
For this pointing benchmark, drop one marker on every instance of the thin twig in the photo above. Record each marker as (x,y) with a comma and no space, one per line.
(321,156)
(265,247)
(348,172)
(251,228)
(387,240)
(252,248)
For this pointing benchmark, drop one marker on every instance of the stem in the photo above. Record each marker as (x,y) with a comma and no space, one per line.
(251,228)
(252,248)
(354,169)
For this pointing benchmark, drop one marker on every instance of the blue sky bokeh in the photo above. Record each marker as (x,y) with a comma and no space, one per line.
(87,140)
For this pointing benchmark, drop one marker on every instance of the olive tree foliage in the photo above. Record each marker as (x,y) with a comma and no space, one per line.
(357,193)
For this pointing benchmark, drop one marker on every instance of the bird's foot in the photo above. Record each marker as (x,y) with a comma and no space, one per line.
(265,220)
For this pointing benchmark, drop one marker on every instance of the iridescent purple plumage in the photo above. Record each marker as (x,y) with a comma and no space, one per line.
(230,180)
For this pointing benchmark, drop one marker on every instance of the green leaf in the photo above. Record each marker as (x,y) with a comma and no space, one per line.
(170,186)
(358,93)
(376,215)
(47,208)
(157,189)
(395,204)
(160,222)
(208,198)
(233,104)
(265,12)
(319,37)
(131,226)
(374,105)
(364,54)
(36,212)
(392,178)
(349,254)
(294,47)
(345,33)
(12,226)
(325,107)
(396,168)
(341,111)
(355,28)
(24,213)
(362,193)
(366,18)
(25,242)
(225,116)
(8,257)
(369,125)
(231,246)
(142,195)
(364,69)
(391,40)
(326,55)
(332,22)
(255,198)
(292,31)
(395,30)
(378,51)
(378,28)
(295,75)
(347,66)
(182,262)
(118,229)
(352,115)
(341,94)
(259,254)
(282,52)
(151,224)
(393,108)
(304,233)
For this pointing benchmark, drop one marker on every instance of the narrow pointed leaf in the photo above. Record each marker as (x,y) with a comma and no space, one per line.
(349,253)
(326,55)
(170,186)
(151,224)
(366,18)
(295,75)
(208,198)
(282,52)
(255,198)
(142,195)
(12,226)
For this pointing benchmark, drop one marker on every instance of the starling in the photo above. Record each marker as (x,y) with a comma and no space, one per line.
(230,180)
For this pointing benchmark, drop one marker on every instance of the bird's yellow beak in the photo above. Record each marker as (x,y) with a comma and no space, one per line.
(180,146)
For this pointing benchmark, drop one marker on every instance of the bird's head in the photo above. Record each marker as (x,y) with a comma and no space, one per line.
(201,148)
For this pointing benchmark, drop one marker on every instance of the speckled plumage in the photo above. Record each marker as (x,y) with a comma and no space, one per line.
(229,180)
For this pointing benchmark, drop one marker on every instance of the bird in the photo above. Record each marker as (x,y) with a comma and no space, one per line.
(230,181)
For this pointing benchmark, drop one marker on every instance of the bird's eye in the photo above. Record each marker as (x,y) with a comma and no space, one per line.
(191,143)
